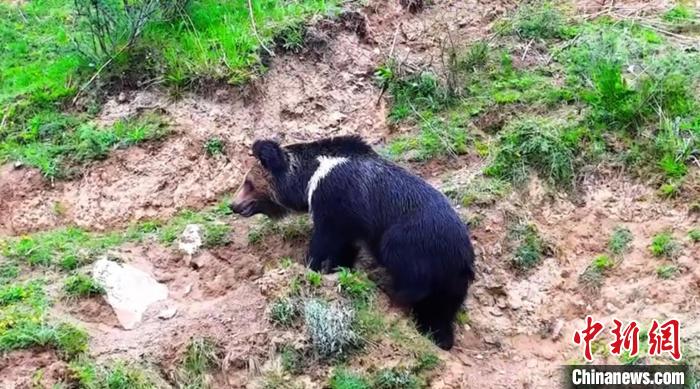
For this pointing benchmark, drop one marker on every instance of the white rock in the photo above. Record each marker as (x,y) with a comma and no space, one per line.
(167,313)
(191,239)
(128,290)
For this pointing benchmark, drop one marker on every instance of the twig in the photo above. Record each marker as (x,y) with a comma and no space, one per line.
(255,29)
(527,48)
(393,41)
(97,73)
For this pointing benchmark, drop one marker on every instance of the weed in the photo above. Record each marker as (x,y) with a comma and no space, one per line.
(356,285)
(396,378)
(119,375)
(314,279)
(200,357)
(426,361)
(667,271)
(413,93)
(602,263)
(670,189)
(591,279)
(463,317)
(343,378)
(535,144)
(330,328)
(620,240)
(8,272)
(529,246)
(286,262)
(80,285)
(369,322)
(540,20)
(436,138)
(292,360)
(56,144)
(664,245)
(214,147)
(694,235)
(679,14)
(291,38)
(479,191)
(283,312)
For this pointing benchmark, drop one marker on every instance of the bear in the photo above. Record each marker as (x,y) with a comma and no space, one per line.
(356,197)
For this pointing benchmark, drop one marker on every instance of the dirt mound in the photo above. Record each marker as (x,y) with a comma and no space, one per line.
(26,369)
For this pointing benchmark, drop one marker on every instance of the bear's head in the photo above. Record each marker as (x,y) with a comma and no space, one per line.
(277,183)
(258,192)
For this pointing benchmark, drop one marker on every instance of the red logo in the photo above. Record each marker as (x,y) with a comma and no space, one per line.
(665,338)
(589,334)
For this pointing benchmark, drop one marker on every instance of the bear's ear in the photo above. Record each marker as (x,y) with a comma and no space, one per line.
(270,155)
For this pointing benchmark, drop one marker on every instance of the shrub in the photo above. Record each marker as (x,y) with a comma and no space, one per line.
(80,285)
(538,145)
(330,328)
(283,312)
(620,240)
(663,245)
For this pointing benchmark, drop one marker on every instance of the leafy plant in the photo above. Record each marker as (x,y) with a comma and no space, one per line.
(663,245)
(356,285)
(214,147)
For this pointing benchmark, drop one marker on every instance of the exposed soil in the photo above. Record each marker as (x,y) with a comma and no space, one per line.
(521,323)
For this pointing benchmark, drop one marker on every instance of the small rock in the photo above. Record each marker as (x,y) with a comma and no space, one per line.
(167,313)
(18,165)
(188,289)
(191,239)
(556,329)
(121,98)
(479,356)
(515,301)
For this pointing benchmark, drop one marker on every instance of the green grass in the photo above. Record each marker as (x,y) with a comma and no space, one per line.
(356,285)
(694,235)
(292,360)
(343,378)
(283,312)
(529,247)
(396,378)
(538,145)
(679,13)
(620,240)
(198,361)
(24,322)
(602,263)
(314,279)
(667,271)
(436,138)
(118,375)
(57,143)
(214,147)
(593,277)
(479,190)
(539,20)
(80,285)
(664,245)
(290,229)
(70,247)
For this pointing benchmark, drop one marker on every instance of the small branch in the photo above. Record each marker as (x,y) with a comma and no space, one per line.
(255,29)
(527,48)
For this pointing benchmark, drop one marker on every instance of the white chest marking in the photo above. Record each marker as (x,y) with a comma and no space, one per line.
(326,164)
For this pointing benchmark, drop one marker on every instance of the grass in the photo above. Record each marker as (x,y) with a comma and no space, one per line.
(57,143)
(667,271)
(664,245)
(436,138)
(283,312)
(538,145)
(344,378)
(529,247)
(290,229)
(118,375)
(214,147)
(694,235)
(620,240)
(292,360)
(356,285)
(80,285)
(679,13)
(479,191)
(593,277)
(314,279)
(70,247)
(24,322)
(396,378)
(539,20)
(200,357)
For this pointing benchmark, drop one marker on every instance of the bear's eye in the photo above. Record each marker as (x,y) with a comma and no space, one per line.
(248,185)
